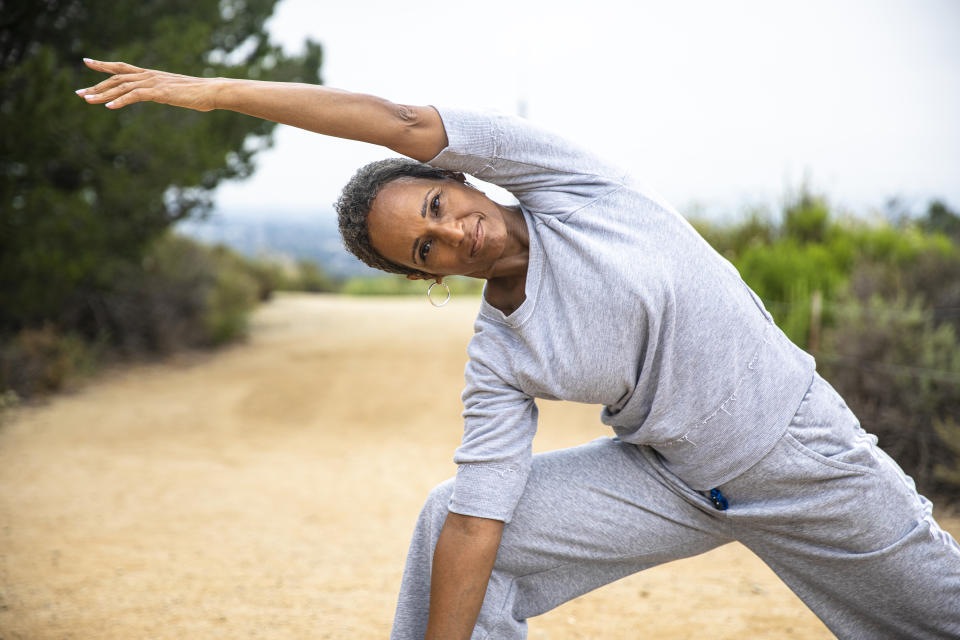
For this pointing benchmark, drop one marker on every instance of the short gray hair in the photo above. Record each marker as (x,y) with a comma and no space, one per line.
(356,198)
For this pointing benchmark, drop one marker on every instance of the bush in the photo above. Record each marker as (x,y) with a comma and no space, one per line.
(786,274)
(268,276)
(382,286)
(37,361)
(948,431)
(731,240)
(307,276)
(900,373)
(932,275)
(807,218)
(182,295)
(400,286)
(156,307)
(233,294)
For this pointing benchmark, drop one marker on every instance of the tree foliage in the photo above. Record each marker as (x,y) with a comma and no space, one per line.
(85,190)
(940,219)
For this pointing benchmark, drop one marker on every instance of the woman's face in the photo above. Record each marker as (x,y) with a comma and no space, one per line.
(440,227)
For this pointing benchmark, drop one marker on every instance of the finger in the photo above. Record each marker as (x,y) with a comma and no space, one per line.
(111,67)
(131,97)
(113,93)
(112,83)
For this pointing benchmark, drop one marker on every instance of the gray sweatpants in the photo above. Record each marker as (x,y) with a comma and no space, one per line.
(826,509)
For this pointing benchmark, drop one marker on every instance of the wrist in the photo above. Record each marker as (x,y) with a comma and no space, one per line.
(220,92)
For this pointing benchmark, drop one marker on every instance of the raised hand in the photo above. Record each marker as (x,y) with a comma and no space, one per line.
(414,131)
(129,84)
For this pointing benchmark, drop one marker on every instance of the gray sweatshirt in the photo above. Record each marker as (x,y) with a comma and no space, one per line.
(626,307)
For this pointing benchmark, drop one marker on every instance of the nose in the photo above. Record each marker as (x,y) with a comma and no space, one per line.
(448,231)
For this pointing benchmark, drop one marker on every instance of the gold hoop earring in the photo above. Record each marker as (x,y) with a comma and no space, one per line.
(434,302)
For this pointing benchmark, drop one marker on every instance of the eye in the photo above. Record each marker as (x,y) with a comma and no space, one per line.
(435,204)
(424,250)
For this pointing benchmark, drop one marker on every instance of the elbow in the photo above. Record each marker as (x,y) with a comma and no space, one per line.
(474,527)
(406,115)
(420,134)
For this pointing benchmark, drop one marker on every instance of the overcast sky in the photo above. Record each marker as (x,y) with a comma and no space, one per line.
(714,104)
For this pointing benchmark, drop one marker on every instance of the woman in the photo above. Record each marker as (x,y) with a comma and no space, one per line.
(597,291)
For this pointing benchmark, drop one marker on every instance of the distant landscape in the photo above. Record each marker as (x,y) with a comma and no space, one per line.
(280,237)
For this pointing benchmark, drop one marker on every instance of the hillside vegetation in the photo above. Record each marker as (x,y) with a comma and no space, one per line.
(878,305)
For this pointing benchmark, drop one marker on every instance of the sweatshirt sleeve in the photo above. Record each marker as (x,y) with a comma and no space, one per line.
(496,451)
(544,171)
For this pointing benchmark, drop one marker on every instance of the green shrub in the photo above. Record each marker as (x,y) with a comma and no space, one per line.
(268,276)
(233,294)
(389,285)
(898,245)
(786,274)
(307,276)
(381,286)
(731,240)
(184,294)
(806,220)
(155,307)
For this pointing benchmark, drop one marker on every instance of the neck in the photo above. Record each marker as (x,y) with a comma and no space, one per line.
(516,254)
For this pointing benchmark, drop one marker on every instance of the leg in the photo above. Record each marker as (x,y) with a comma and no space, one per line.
(589,515)
(844,527)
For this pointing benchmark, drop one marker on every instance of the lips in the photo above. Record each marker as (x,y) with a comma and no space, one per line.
(477,238)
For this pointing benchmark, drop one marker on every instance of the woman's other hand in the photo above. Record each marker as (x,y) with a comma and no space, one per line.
(129,84)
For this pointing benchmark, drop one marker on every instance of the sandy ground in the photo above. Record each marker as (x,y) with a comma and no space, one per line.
(268,491)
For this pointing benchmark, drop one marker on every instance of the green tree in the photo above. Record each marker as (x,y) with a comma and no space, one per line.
(84,190)
(942,219)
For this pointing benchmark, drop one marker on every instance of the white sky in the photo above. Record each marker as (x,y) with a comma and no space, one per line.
(716,104)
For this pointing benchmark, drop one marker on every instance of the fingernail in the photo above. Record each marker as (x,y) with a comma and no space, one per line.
(92,96)
(88,59)
(80,92)
(110,104)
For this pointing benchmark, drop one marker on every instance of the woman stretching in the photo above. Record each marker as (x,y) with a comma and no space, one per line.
(597,291)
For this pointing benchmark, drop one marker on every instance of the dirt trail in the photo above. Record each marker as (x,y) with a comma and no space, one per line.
(268,491)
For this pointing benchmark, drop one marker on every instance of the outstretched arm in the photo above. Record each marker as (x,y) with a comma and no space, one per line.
(416,132)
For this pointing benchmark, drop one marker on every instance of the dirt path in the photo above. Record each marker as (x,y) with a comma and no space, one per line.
(268,491)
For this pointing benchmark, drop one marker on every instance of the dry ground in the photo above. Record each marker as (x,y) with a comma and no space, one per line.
(268,491)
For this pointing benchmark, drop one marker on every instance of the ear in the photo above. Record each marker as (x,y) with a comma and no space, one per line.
(423,276)
(456,175)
